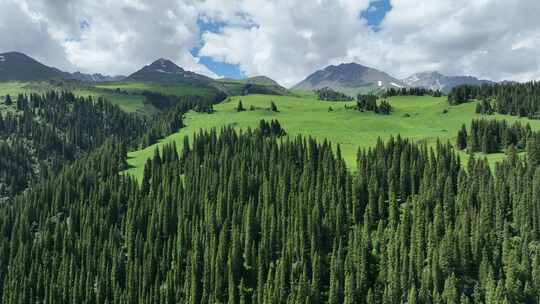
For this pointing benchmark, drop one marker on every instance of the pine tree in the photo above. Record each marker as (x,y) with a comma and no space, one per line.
(240,107)
(273,107)
(8,100)
(462,138)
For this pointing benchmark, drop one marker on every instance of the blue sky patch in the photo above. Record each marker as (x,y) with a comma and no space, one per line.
(376,12)
(223,69)
(220,68)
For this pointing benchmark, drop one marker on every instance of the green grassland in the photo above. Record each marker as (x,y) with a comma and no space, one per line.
(127,102)
(14,88)
(127,95)
(139,87)
(422,119)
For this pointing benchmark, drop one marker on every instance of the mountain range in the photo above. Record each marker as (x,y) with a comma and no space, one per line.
(20,67)
(353,78)
(436,81)
(348,78)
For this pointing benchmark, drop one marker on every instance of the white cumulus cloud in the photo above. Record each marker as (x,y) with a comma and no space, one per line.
(283,39)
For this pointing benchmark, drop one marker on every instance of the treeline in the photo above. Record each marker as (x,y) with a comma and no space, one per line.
(171,119)
(328,94)
(492,136)
(411,92)
(240,107)
(197,103)
(272,128)
(244,218)
(43,132)
(368,103)
(517,99)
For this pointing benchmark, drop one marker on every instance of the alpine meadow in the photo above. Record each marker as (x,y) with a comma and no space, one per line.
(270,152)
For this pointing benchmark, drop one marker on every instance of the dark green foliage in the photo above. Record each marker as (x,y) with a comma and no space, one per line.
(491,136)
(240,217)
(273,107)
(369,103)
(384,108)
(8,100)
(517,99)
(165,124)
(53,129)
(411,92)
(461,142)
(272,128)
(366,103)
(253,88)
(197,103)
(330,95)
(484,107)
(533,149)
(240,107)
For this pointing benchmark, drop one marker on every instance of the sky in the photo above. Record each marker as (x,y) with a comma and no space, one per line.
(283,39)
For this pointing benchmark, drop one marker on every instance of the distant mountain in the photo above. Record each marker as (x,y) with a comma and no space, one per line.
(166,71)
(437,81)
(20,67)
(15,66)
(97,77)
(262,80)
(252,85)
(349,78)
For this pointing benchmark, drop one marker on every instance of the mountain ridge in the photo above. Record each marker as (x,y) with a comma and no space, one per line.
(17,66)
(434,80)
(165,71)
(349,78)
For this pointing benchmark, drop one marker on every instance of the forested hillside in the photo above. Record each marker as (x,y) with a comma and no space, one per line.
(250,218)
(41,133)
(517,99)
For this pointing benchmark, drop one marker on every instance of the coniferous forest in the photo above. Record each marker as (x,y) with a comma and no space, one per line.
(253,218)
(491,136)
(270,152)
(517,99)
(44,132)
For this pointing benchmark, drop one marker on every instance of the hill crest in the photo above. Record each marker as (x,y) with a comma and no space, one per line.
(349,78)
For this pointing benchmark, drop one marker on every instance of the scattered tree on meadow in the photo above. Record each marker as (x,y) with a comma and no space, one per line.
(273,107)
(384,108)
(329,94)
(366,103)
(490,136)
(240,107)
(8,100)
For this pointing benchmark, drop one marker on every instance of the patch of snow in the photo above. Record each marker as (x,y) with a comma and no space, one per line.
(2,58)
(396,85)
(162,71)
(379,83)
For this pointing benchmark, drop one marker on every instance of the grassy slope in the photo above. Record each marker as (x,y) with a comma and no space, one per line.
(349,128)
(130,102)
(138,87)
